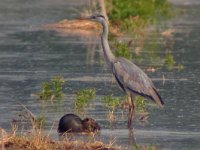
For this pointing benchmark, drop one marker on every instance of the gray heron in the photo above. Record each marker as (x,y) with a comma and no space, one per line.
(130,77)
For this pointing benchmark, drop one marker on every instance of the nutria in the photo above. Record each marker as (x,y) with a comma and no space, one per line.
(73,123)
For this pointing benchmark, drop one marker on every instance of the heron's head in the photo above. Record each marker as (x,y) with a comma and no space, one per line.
(96,18)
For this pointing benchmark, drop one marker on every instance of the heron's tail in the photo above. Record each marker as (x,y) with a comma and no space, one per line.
(157,98)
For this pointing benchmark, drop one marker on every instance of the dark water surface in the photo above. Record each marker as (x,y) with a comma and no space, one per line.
(30,55)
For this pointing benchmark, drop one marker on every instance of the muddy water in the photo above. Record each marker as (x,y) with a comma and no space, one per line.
(30,55)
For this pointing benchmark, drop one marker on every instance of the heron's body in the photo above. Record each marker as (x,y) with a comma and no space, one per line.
(130,77)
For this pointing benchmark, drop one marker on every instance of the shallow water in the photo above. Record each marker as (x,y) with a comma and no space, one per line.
(30,55)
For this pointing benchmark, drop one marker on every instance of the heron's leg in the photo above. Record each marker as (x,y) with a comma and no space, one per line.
(131,114)
(131,140)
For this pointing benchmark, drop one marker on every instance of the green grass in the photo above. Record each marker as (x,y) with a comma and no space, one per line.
(169,61)
(52,89)
(133,17)
(140,104)
(180,67)
(145,147)
(171,64)
(131,14)
(116,102)
(112,102)
(122,50)
(83,97)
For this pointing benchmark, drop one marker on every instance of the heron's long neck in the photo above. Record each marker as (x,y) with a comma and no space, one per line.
(106,48)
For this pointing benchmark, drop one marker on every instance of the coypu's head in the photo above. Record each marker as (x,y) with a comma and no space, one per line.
(90,125)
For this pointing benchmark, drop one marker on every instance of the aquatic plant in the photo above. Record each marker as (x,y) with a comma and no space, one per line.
(83,97)
(180,67)
(145,147)
(141,104)
(118,102)
(112,102)
(171,64)
(133,14)
(53,89)
(134,17)
(122,50)
(169,61)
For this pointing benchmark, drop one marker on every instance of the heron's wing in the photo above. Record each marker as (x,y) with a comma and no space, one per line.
(120,84)
(132,78)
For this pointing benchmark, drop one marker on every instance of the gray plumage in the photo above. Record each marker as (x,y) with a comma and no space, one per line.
(130,77)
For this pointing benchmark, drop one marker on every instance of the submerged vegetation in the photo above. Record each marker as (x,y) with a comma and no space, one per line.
(53,89)
(83,97)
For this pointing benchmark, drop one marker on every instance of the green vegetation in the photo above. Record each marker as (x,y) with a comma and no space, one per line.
(122,50)
(140,104)
(145,147)
(117,102)
(52,89)
(134,14)
(180,67)
(112,102)
(134,17)
(83,97)
(171,63)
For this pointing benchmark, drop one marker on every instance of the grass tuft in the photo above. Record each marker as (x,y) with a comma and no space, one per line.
(38,141)
(53,89)
(122,50)
(138,13)
(83,97)
(169,61)
(112,102)
(140,104)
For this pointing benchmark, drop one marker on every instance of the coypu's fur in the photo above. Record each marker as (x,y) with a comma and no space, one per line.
(73,123)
